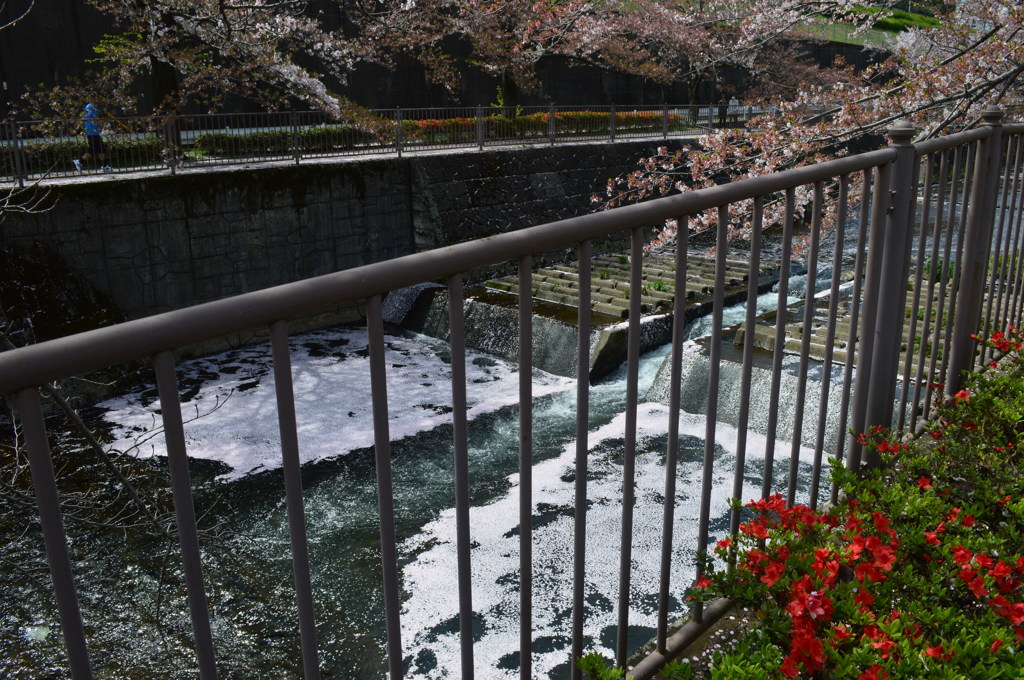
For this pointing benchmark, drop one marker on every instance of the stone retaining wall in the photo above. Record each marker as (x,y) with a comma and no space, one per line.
(153,243)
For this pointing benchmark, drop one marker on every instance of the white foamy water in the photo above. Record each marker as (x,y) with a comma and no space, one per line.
(430,584)
(235,391)
(234,411)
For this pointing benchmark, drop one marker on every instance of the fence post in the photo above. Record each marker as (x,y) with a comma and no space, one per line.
(551,124)
(664,122)
(480,127)
(974,262)
(611,123)
(172,148)
(296,141)
(17,160)
(398,131)
(884,285)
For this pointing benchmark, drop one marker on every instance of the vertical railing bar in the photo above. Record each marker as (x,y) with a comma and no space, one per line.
(975,255)
(920,381)
(908,363)
(863,228)
(385,487)
(672,447)
(753,279)
(1018,257)
(830,337)
(711,419)
(995,279)
(629,456)
(185,516)
(1010,260)
(457,340)
(869,306)
(947,248)
(961,229)
(525,468)
(807,330)
(54,537)
(781,317)
(582,450)
(293,495)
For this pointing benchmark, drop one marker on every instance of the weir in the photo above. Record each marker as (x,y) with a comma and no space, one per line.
(492,309)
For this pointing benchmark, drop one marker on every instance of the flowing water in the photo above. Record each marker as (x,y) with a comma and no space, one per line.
(239,493)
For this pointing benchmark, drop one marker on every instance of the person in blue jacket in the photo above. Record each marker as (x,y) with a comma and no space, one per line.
(95,139)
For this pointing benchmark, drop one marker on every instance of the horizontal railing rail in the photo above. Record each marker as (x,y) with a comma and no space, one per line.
(31,150)
(922,250)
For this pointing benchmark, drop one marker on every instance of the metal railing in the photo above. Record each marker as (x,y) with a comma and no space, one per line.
(937,227)
(30,150)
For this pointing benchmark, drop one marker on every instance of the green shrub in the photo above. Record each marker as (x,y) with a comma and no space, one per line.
(319,139)
(56,155)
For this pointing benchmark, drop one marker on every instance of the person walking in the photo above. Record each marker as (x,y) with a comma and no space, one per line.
(94,138)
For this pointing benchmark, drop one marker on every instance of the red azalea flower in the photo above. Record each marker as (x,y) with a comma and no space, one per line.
(968,520)
(931,537)
(772,573)
(962,395)
(884,645)
(935,652)
(1004,501)
(1001,571)
(865,600)
(873,673)
(977,586)
(995,646)
(702,582)
(840,634)
(961,554)
(924,483)
(789,668)
(724,543)
(1015,613)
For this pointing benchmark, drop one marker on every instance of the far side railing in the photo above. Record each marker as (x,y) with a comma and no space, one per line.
(35,149)
(926,249)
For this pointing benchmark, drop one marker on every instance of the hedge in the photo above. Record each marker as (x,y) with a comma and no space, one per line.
(56,155)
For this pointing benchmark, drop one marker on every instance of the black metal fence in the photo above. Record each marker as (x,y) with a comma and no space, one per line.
(36,149)
(938,234)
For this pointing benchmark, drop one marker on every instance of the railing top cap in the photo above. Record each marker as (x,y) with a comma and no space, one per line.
(901,133)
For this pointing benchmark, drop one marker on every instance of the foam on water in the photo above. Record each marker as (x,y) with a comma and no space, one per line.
(431,595)
(233,394)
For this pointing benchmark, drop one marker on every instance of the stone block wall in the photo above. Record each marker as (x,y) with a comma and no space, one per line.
(154,243)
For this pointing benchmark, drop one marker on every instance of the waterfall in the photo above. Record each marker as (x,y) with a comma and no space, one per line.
(694,394)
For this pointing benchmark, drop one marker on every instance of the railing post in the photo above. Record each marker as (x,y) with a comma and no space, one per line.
(296,141)
(17,160)
(611,123)
(890,302)
(551,124)
(172,147)
(974,263)
(398,131)
(480,127)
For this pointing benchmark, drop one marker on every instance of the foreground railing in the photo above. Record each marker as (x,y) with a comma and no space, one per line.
(937,228)
(33,149)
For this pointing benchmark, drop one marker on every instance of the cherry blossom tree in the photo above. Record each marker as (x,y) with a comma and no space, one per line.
(202,50)
(664,40)
(939,79)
